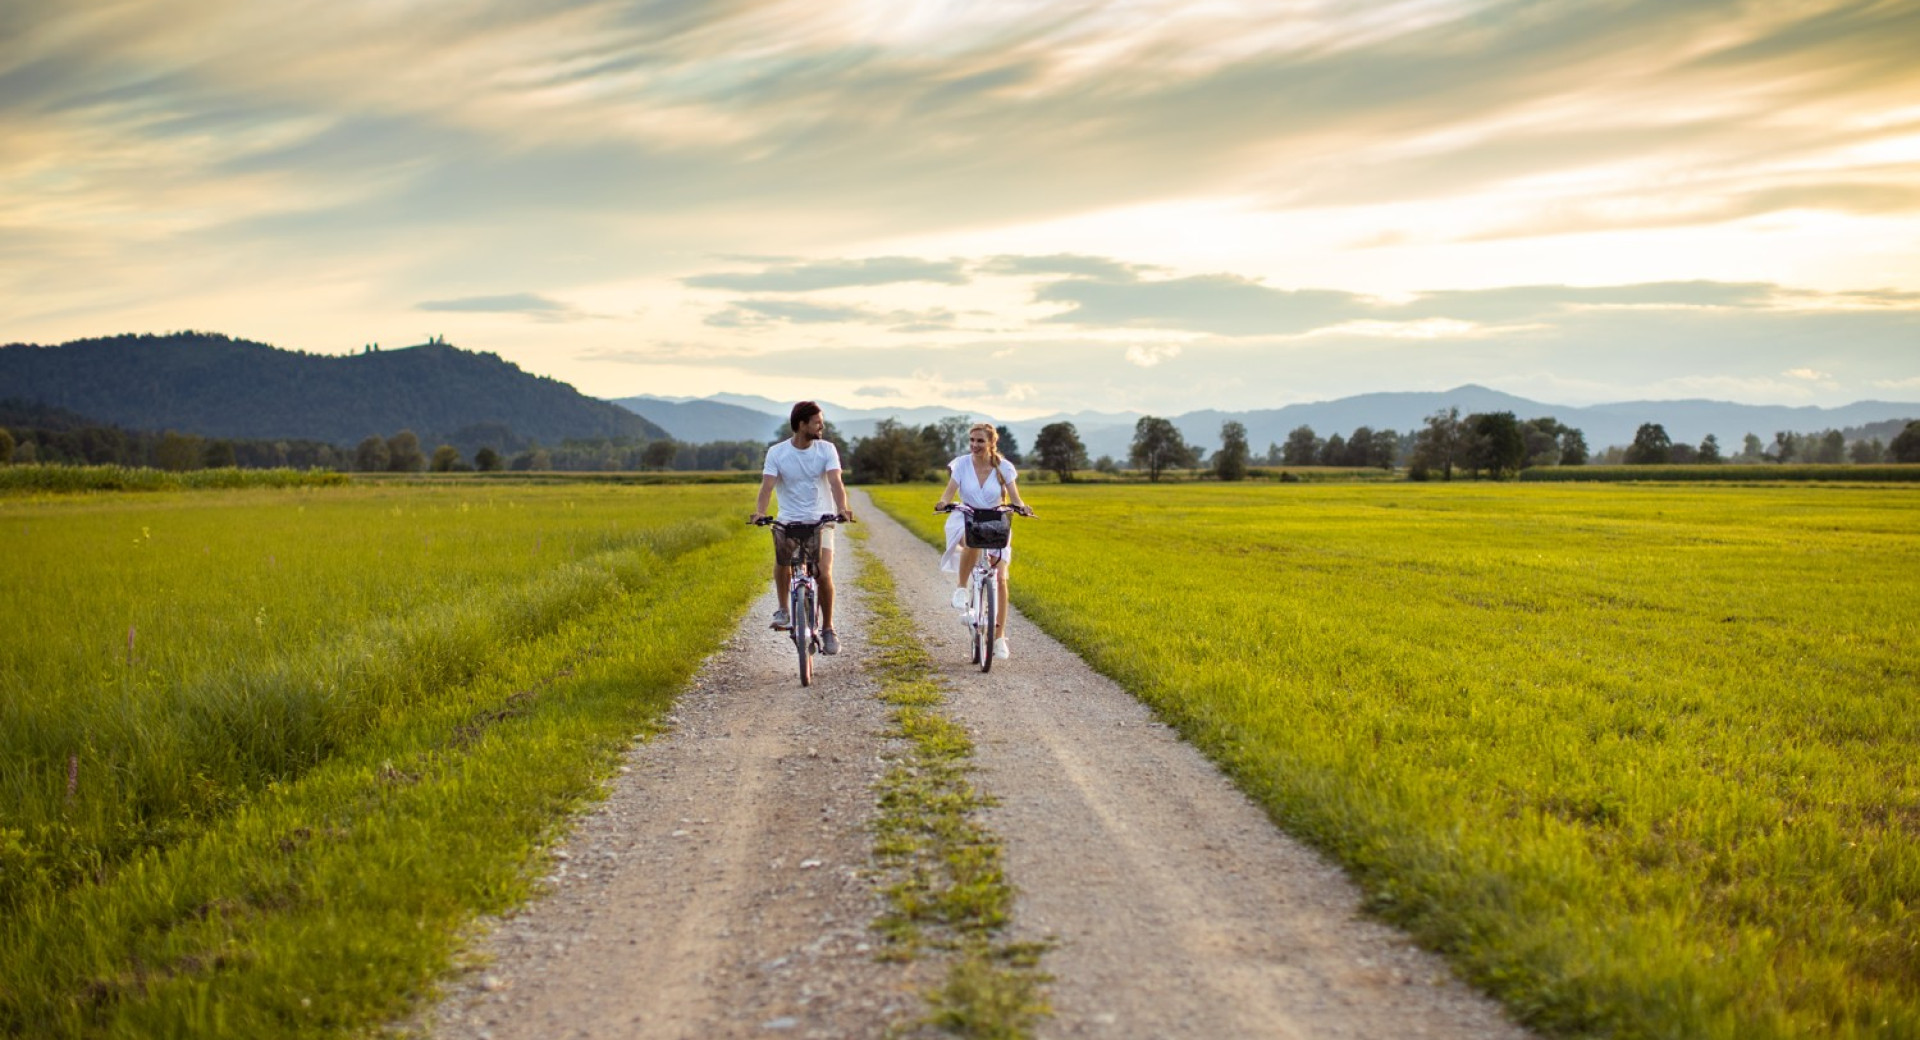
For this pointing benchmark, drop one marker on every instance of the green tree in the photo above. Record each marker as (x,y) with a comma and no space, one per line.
(1230,462)
(1333,451)
(6,446)
(1383,449)
(1752,450)
(1832,448)
(1786,445)
(1158,446)
(371,456)
(486,460)
(1499,449)
(1651,446)
(1009,445)
(1302,447)
(1573,447)
(1867,452)
(892,454)
(659,454)
(1058,450)
(220,455)
(404,454)
(446,459)
(1438,445)
(179,452)
(1906,447)
(1543,440)
(1709,453)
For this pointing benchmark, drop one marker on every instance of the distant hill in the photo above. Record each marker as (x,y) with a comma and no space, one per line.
(706,421)
(209,384)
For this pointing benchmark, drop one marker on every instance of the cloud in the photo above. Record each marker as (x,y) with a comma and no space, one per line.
(835,274)
(528,304)
(1147,355)
(1808,374)
(756,313)
(1096,267)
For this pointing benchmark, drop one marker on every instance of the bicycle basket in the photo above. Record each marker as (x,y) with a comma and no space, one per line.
(796,541)
(989,529)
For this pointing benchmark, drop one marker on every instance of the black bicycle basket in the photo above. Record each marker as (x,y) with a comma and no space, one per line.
(796,541)
(989,529)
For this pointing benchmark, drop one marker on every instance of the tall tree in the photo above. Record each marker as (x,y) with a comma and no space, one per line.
(1499,449)
(1437,446)
(371,456)
(1709,453)
(1333,451)
(1832,449)
(1785,445)
(220,455)
(1058,450)
(1158,446)
(1302,447)
(1009,445)
(179,451)
(6,447)
(486,460)
(1573,447)
(404,454)
(1651,446)
(1751,449)
(660,454)
(446,459)
(1867,452)
(891,454)
(1906,447)
(1230,462)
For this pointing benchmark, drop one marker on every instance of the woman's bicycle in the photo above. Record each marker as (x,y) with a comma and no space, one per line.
(799,545)
(988,530)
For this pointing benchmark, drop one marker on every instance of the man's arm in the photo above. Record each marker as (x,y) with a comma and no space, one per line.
(766,493)
(839,489)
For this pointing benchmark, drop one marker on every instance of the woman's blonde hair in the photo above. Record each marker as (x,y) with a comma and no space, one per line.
(993,450)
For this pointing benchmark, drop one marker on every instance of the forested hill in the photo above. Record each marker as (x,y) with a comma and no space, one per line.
(215,386)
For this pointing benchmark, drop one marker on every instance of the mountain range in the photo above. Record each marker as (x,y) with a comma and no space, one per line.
(745,417)
(216,386)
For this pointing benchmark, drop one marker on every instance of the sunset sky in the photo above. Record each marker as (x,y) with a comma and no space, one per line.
(1014,208)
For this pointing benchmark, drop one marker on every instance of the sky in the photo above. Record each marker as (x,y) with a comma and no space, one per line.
(1011,208)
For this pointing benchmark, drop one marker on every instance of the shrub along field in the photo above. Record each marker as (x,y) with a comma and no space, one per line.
(262,752)
(1639,759)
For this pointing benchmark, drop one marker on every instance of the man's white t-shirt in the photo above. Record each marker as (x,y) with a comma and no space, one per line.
(802,479)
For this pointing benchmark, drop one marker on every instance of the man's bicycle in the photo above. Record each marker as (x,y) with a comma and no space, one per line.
(988,530)
(799,544)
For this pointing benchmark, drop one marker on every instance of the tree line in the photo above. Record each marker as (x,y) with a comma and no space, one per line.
(1483,445)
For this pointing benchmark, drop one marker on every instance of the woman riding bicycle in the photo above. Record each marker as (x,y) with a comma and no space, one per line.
(981,480)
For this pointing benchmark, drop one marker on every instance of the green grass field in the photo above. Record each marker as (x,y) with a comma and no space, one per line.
(264,752)
(1641,760)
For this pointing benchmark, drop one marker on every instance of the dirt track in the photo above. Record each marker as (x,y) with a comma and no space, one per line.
(724,888)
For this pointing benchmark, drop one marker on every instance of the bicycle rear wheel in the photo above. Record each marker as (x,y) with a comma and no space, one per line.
(989,618)
(801,607)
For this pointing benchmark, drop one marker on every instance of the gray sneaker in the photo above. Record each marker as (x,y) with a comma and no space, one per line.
(829,642)
(781,619)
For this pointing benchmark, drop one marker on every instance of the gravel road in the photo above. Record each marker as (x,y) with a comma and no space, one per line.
(725,887)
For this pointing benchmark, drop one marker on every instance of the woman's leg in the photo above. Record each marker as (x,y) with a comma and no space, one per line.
(1000,616)
(967,558)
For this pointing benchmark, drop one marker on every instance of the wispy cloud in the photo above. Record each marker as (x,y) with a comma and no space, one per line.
(835,274)
(529,304)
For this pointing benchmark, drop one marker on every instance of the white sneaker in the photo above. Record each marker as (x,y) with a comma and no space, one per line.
(780,618)
(1000,651)
(959,599)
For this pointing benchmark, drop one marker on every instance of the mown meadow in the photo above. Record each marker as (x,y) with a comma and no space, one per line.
(1639,759)
(264,752)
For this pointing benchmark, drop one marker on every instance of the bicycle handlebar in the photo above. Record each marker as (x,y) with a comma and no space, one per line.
(825,518)
(965,508)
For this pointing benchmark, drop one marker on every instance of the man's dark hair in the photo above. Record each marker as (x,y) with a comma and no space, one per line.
(801,413)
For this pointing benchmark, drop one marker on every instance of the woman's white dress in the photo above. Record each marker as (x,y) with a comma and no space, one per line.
(987,495)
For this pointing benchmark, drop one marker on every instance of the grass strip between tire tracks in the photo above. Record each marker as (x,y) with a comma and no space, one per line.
(948,887)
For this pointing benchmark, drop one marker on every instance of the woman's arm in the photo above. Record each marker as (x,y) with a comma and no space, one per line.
(953,489)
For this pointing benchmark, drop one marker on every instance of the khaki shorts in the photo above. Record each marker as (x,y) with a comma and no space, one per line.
(780,548)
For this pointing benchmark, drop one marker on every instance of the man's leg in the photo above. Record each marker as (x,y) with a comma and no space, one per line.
(825,577)
(782,575)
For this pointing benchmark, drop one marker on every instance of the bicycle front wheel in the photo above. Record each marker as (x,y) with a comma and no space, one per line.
(801,608)
(989,621)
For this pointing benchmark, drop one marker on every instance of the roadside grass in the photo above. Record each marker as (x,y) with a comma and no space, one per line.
(949,889)
(1757,473)
(350,720)
(1638,759)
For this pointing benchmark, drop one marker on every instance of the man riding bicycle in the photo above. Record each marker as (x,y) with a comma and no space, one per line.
(798,466)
